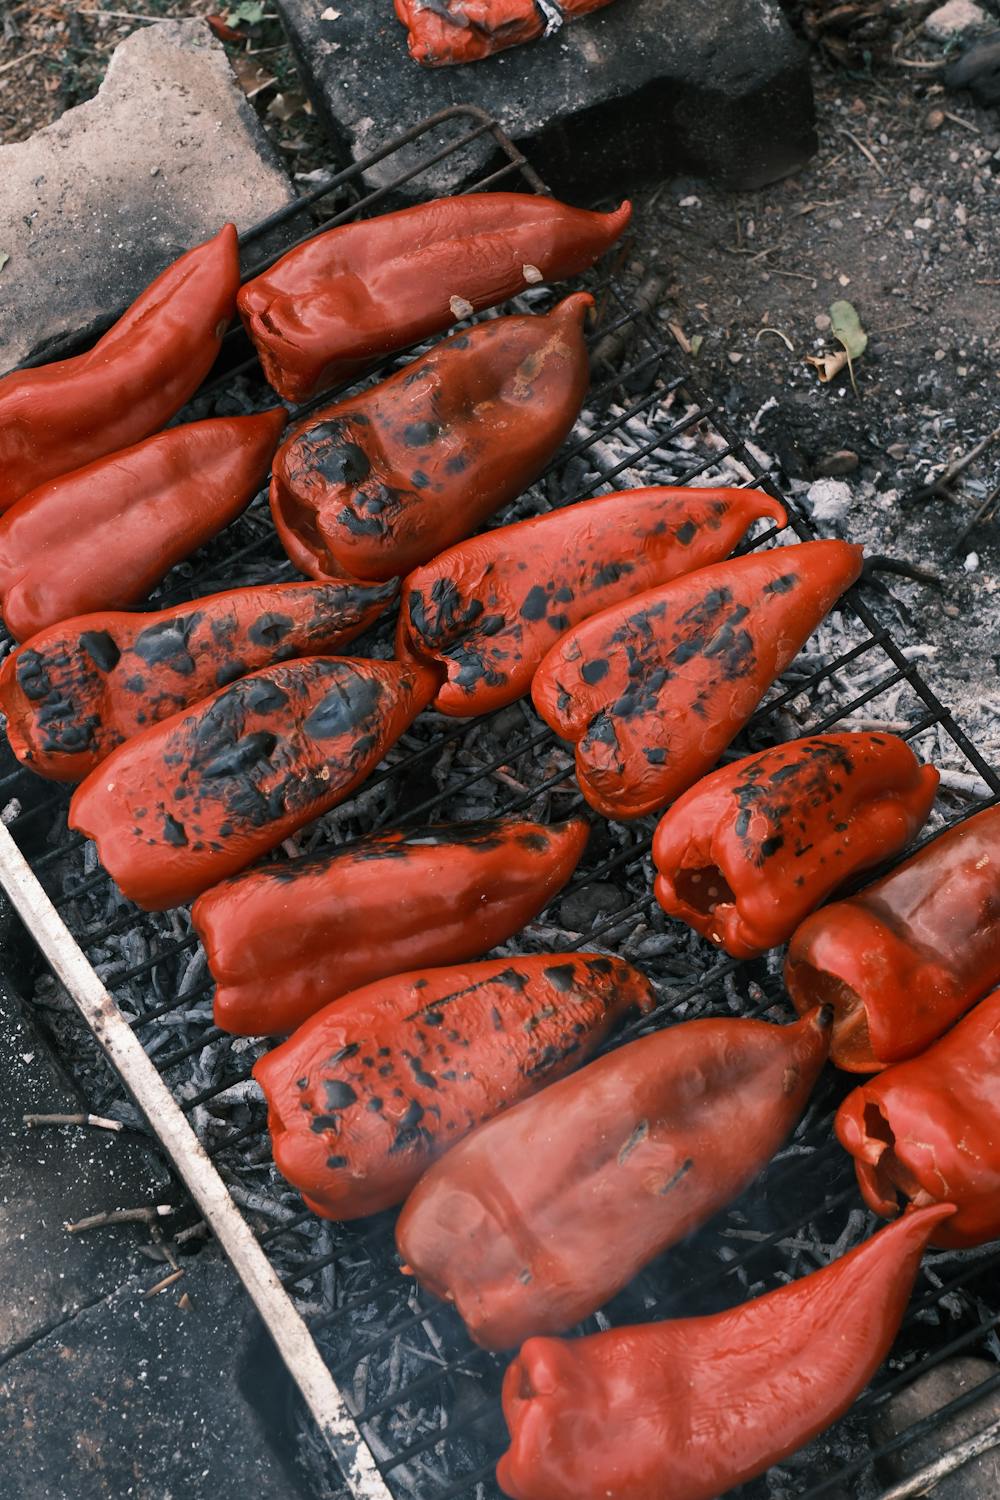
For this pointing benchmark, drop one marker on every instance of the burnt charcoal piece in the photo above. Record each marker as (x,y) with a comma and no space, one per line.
(638,90)
(978,70)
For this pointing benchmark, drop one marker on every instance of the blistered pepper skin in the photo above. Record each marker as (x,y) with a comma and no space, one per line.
(928,1131)
(61,416)
(754,847)
(652,690)
(104,536)
(377,484)
(627,1157)
(904,958)
(77,690)
(284,940)
(364,1096)
(488,609)
(463,31)
(334,306)
(196,798)
(688,1408)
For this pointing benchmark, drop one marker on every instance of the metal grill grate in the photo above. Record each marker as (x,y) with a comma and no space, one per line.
(423,1397)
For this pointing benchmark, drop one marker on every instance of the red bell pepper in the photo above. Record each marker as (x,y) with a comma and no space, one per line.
(78,689)
(202,794)
(364,1096)
(755,846)
(61,416)
(488,609)
(928,1131)
(379,483)
(331,307)
(691,1407)
(652,690)
(627,1156)
(105,535)
(283,940)
(444,32)
(900,961)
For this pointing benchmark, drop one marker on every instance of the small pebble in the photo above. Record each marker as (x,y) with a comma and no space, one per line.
(822,321)
(691,202)
(971,562)
(734,357)
(934,119)
(843,461)
(923,223)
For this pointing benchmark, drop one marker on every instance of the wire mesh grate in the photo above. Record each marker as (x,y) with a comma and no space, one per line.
(424,1398)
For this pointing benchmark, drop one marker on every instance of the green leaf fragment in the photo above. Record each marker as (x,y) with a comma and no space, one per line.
(845,325)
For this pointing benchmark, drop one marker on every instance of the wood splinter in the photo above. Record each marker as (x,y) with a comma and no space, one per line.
(145,1215)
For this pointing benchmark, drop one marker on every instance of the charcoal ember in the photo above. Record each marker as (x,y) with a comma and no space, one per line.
(582,908)
(979,1479)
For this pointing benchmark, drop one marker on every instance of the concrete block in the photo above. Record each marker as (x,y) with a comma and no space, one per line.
(98,203)
(718,88)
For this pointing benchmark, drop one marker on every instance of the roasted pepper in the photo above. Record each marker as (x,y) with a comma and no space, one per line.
(105,535)
(442,32)
(755,846)
(77,690)
(331,307)
(366,1094)
(928,1131)
(379,483)
(691,1407)
(64,415)
(627,1156)
(283,940)
(490,608)
(901,960)
(653,690)
(199,796)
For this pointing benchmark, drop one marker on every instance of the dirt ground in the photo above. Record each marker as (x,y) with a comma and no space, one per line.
(899,214)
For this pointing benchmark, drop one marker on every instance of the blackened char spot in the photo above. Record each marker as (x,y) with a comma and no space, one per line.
(240,756)
(344,709)
(593,671)
(408,1130)
(535,604)
(269,629)
(686,533)
(771,846)
(173,832)
(101,649)
(610,572)
(263,697)
(166,644)
(426,1080)
(338,1094)
(336,1161)
(420,434)
(320,1123)
(655,755)
(419,479)
(32,678)
(782,585)
(230,671)
(323,449)
(561,977)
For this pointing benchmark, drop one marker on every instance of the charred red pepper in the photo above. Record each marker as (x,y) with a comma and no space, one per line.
(928,1131)
(202,794)
(283,940)
(444,32)
(105,535)
(900,961)
(77,690)
(379,483)
(627,1157)
(693,1406)
(490,608)
(653,690)
(331,307)
(755,846)
(64,415)
(367,1093)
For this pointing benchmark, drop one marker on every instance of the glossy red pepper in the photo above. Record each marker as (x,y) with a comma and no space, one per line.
(381,482)
(652,690)
(61,416)
(488,609)
(900,961)
(202,794)
(691,1407)
(331,307)
(283,940)
(928,1131)
(445,32)
(105,535)
(367,1093)
(627,1156)
(755,846)
(77,690)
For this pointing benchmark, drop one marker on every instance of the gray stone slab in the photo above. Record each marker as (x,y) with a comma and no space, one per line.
(51,1175)
(977,1480)
(95,205)
(138,1399)
(716,88)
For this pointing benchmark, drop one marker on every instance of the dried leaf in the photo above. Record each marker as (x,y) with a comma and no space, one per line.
(4,258)
(827,366)
(253,79)
(845,325)
(778,334)
(697,339)
(285,106)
